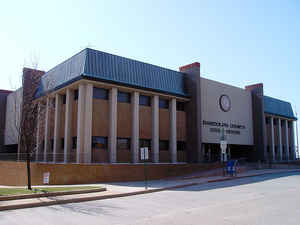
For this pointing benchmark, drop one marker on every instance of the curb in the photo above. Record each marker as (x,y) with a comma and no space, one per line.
(85,199)
(50,194)
(254,175)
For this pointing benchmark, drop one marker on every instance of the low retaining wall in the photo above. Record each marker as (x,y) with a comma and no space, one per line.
(14,173)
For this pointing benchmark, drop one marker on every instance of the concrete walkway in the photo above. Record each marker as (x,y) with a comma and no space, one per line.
(123,189)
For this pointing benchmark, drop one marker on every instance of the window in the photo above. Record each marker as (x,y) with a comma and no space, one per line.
(123,143)
(64,98)
(74,142)
(123,97)
(275,122)
(267,120)
(145,143)
(99,142)
(100,93)
(180,106)
(76,95)
(62,142)
(163,103)
(51,143)
(145,100)
(181,146)
(163,145)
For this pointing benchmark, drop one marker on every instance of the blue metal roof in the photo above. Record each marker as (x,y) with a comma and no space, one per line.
(93,64)
(63,73)
(278,107)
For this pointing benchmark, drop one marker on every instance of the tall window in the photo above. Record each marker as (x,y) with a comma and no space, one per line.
(62,141)
(52,144)
(123,143)
(76,94)
(145,100)
(163,145)
(123,97)
(145,143)
(99,142)
(163,103)
(74,142)
(64,99)
(181,146)
(267,120)
(100,93)
(180,106)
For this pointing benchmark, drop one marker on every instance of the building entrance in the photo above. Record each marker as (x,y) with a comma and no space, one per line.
(212,152)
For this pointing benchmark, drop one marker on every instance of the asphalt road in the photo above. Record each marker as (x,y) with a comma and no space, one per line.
(269,199)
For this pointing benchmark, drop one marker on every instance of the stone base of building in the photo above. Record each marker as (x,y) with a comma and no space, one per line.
(14,173)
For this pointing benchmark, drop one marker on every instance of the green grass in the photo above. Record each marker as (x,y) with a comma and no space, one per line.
(23,191)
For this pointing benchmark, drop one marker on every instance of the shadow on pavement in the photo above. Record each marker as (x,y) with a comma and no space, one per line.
(207,186)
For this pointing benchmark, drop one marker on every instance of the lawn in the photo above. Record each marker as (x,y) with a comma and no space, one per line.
(23,191)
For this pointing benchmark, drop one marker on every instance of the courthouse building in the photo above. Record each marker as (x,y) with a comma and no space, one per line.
(102,108)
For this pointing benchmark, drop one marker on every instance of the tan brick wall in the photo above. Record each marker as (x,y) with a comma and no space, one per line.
(164,124)
(14,173)
(124,120)
(145,119)
(100,117)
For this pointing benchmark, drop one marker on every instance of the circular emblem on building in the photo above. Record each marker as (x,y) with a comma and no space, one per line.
(225,103)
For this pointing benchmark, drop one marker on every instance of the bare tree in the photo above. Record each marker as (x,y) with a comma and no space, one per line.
(28,111)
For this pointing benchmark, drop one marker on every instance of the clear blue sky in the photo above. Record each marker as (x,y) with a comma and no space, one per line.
(236,42)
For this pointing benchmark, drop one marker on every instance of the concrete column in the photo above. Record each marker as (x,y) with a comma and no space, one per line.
(68,124)
(80,123)
(172,137)
(47,129)
(279,139)
(293,141)
(112,139)
(287,146)
(135,127)
(272,139)
(155,129)
(57,120)
(38,136)
(88,124)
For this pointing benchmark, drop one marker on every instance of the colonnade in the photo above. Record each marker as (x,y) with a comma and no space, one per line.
(84,126)
(283,128)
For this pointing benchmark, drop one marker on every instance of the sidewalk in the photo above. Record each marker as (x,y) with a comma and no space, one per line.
(123,189)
